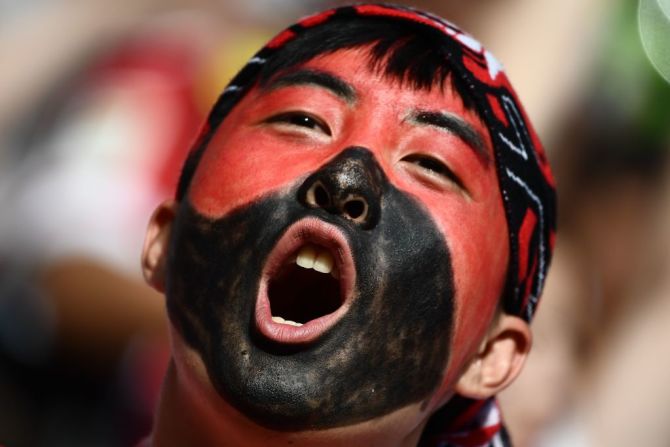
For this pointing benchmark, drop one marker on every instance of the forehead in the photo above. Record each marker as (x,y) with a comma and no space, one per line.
(365,73)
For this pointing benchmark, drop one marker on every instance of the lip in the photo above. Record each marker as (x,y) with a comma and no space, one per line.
(305,231)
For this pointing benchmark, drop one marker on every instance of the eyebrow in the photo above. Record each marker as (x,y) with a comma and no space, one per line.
(454,124)
(314,77)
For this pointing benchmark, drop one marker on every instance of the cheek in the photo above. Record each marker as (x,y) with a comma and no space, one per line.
(238,169)
(480,252)
(476,233)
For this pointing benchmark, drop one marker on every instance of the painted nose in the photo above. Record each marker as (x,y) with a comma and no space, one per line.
(349,186)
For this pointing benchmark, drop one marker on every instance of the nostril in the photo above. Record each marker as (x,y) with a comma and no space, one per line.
(317,196)
(349,187)
(355,209)
(321,196)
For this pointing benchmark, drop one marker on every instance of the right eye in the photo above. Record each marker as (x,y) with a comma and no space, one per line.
(301,119)
(434,168)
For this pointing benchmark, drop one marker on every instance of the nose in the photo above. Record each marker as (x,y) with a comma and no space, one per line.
(349,186)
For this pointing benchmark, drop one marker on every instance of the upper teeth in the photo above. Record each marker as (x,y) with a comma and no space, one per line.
(312,257)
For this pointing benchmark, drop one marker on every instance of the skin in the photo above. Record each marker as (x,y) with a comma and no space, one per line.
(425,173)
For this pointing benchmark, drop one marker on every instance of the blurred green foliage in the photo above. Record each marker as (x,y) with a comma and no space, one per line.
(629,80)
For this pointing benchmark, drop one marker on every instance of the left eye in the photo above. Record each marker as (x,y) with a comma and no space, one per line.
(434,167)
(301,119)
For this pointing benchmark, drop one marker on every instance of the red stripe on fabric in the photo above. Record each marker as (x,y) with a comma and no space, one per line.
(482,73)
(475,438)
(314,20)
(497,109)
(379,10)
(525,234)
(281,38)
(552,240)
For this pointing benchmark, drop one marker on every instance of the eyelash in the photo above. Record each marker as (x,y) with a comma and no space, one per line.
(435,167)
(301,119)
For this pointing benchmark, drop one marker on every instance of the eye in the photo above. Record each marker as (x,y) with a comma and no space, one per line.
(434,168)
(301,119)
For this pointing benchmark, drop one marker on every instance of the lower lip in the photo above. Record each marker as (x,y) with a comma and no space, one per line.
(305,231)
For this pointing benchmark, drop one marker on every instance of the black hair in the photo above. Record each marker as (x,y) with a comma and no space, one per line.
(413,54)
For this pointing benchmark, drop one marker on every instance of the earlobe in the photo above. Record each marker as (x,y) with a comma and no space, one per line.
(156,240)
(499,361)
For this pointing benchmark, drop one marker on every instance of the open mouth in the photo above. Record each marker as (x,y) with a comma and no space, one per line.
(306,284)
(307,288)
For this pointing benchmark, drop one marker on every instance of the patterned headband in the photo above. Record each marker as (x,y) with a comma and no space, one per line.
(524,175)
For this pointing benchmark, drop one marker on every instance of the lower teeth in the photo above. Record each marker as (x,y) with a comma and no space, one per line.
(280,320)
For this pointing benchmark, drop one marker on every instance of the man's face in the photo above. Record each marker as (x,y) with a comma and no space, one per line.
(342,247)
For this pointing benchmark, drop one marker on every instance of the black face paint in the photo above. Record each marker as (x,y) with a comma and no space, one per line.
(388,351)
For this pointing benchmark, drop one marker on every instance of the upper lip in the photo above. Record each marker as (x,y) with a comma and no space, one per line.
(306,231)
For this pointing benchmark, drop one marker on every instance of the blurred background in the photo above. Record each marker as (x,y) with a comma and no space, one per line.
(100,100)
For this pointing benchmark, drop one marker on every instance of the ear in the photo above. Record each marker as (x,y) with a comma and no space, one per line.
(499,361)
(156,241)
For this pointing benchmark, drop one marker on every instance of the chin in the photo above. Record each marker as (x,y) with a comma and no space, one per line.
(215,418)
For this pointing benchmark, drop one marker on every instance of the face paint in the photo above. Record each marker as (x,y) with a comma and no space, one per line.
(243,172)
(278,135)
(406,207)
(377,357)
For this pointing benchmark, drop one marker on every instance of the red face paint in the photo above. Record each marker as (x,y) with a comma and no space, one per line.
(277,136)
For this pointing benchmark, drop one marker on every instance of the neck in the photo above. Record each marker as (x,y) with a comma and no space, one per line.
(184,418)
